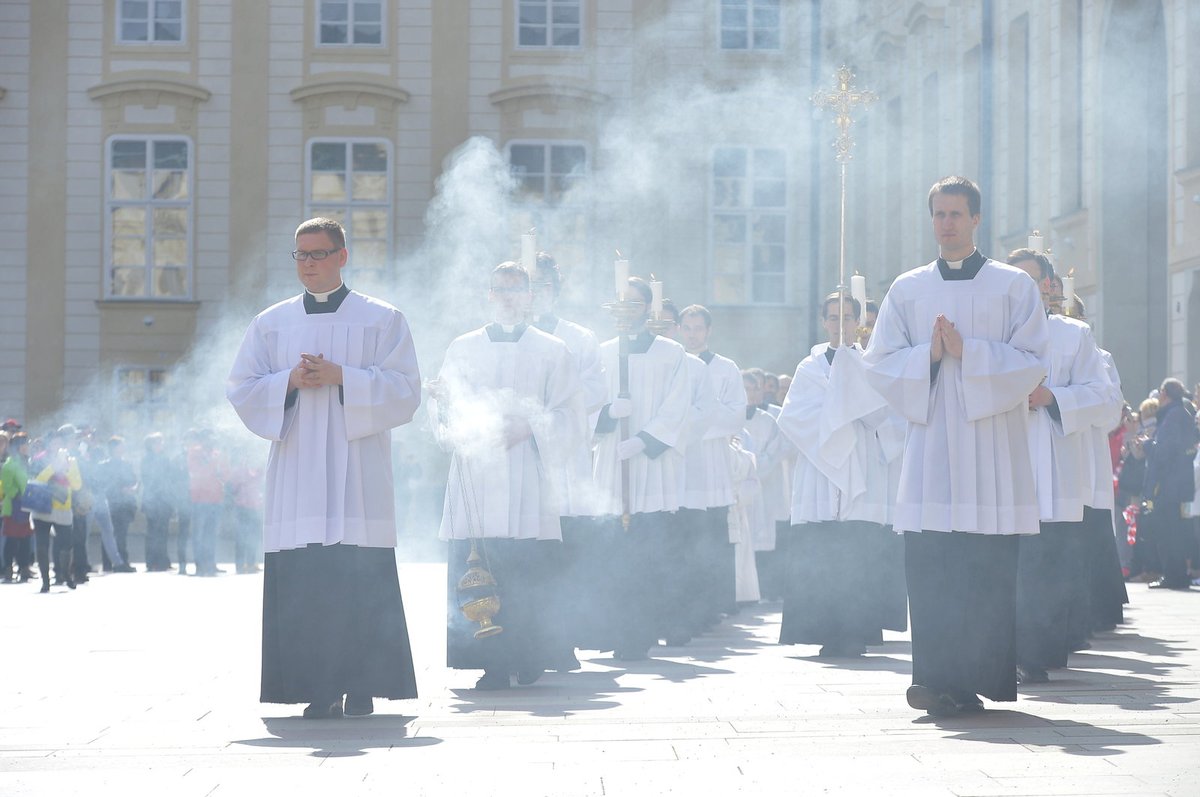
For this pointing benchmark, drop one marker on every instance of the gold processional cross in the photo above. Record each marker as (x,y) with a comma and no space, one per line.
(842,101)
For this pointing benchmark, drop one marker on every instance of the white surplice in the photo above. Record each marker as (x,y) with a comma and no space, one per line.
(1062,447)
(815,498)
(329,474)
(493,491)
(770,447)
(966,463)
(708,482)
(742,520)
(1099,472)
(660,393)
(573,483)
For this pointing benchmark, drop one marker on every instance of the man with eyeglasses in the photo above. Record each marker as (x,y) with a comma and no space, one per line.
(325,376)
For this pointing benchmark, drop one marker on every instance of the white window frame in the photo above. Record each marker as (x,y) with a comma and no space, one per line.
(750,29)
(144,409)
(547,144)
(549,45)
(349,205)
(749,211)
(150,40)
(150,204)
(383,27)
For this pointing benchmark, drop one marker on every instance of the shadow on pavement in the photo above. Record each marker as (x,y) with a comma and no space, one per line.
(345,737)
(1005,726)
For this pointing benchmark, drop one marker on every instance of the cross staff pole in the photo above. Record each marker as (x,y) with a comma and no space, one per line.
(842,101)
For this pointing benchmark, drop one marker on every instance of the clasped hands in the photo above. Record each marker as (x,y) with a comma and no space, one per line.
(314,370)
(946,339)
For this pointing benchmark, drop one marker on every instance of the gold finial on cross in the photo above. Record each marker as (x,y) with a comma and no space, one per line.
(842,102)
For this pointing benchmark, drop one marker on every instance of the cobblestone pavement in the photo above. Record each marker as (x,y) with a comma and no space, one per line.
(147,683)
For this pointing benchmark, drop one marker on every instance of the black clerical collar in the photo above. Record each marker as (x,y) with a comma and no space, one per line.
(970,267)
(331,304)
(830,353)
(547,322)
(707,356)
(640,343)
(496,333)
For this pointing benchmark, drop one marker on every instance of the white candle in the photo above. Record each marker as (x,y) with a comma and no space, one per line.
(529,251)
(858,290)
(1068,291)
(655,296)
(1036,241)
(622,267)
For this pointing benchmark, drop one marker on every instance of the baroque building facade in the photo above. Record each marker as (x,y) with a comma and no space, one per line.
(156,155)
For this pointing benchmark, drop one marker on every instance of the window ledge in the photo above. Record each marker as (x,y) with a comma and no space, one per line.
(515,94)
(142,303)
(350,89)
(151,83)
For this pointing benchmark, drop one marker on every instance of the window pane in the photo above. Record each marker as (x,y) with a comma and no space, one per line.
(527,158)
(135,9)
(170,185)
(333,34)
(766,17)
(768,259)
(329,157)
(134,31)
(170,223)
(733,18)
(170,282)
(769,288)
(170,252)
(370,187)
(532,37)
(368,12)
(567,160)
(129,281)
(329,187)
(728,289)
(170,155)
(129,154)
(728,193)
(533,13)
(129,252)
(531,187)
(129,221)
(367,224)
(770,193)
(729,259)
(566,14)
(770,229)
(168,31)
(367,34)
(333,11)
(370,158)
(733,39)
(729,162)
(166,10)
(566,37)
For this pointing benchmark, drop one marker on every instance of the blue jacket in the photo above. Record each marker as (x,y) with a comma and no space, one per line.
(1170,478)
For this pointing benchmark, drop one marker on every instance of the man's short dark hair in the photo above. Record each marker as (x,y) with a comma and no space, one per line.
(700,310)
(643,288)
(835,296)
(872,306)
(672,309)
(1172,388)
(753,373)
(960,186)
(1045,267)
(510,269)
(331,227)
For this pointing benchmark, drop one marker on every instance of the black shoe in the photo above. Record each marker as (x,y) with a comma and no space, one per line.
(45,588)
(1162,583)
(1031,675)
(967,704)
(527,677)
(493,681)
(124,568)
(323,711)
(70,584)
(359,706)
(936,704)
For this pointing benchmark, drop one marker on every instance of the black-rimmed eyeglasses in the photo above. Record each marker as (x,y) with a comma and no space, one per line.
(316,254)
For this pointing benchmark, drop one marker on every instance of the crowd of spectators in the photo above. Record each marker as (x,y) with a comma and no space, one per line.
(1156,468)
(70,484)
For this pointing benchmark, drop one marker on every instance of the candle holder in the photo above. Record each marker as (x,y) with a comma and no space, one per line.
(659,323)
(625,312)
